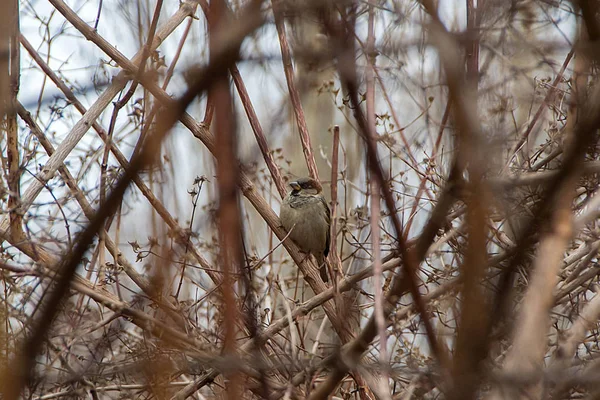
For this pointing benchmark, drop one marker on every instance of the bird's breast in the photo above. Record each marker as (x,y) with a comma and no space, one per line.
(306,219)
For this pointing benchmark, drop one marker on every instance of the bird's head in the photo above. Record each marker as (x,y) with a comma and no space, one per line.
(305,185)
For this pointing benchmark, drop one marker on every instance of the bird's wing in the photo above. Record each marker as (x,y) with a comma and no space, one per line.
(328,220)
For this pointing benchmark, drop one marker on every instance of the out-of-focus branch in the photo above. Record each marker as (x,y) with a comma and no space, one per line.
(539,178)
(10,73)
(576,334)
(229,224)
(589,13)
(472,154)
(529,345)
(13,66)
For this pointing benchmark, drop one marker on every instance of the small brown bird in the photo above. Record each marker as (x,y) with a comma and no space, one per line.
(305,214)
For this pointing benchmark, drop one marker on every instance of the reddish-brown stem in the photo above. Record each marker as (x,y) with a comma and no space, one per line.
(471,338)
(11,76)
(229,224)
(209,112)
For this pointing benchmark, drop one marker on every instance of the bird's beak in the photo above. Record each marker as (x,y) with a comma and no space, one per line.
(295,186)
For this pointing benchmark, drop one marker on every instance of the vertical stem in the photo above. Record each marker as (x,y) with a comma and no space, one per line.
(471,346)
(228,179)
(9,88)
(9,99)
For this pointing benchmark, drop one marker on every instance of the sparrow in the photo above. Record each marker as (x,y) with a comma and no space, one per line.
(306,216)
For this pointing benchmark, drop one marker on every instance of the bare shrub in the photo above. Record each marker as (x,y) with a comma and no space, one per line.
(146,149)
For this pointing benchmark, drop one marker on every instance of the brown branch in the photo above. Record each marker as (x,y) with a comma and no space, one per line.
(539,178)
(431,163)
(529,345)
(472,150)
(229,224)
(12,77)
